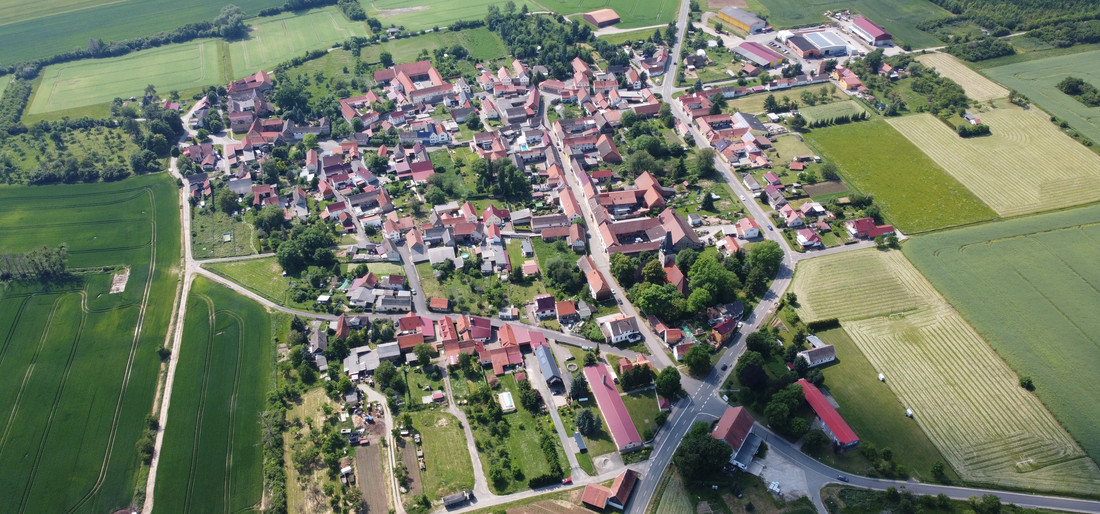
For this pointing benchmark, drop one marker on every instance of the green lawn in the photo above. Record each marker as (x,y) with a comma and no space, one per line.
(830,111)
(445,455)
(598,444)
(426,14)
(633,13)
(482,44)
(262,275)
(4,81)
(915,194)
(628,38)
(899,17)
(211,457)
(1035,271)
(874,412)
(275,39)
(643,409)
(754,103)
(32,30)
(208,229)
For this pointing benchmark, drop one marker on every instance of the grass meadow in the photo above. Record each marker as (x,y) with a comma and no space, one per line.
(632,13)
(755,103)
(4,81)
(211,458)
(965,398)
(78,378)
(30,29)
(1028,285)
(261,275)
(899,17)
(623,38)
(275,39)
(445,455)
(829,111)
(482,44)
(1037,78)
(426,14)
(1025,165)
(976,86)
(915,193)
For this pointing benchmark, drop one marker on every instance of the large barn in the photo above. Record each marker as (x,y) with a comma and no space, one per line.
(870,32)
(602,17)
(741,19)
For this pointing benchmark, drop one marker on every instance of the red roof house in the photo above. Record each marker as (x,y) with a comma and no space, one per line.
(611,405)
(842,435)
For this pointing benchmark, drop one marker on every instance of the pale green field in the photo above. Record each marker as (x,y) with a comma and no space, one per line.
(829,111)
(1026,165)
(4,81)
(88,82)
(278,38)
(426,14)
(975,84)
(963,395)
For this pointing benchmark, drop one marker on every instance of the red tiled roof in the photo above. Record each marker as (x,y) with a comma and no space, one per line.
(595,495)
(409,341)
(612,407)
(734,427)
(824,410)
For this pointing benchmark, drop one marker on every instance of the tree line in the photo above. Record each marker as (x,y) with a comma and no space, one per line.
(981,49)
(43,264)
(1005,16)
(1083,91)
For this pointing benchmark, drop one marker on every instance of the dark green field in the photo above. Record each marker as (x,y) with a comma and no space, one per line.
(211,459)
(899,17)
(78,366)
(32,30)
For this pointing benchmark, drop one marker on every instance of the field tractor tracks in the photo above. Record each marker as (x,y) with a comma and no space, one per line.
(11,331)
(53,411)
(27,376)
(130,359)
(201,405)
(233,408)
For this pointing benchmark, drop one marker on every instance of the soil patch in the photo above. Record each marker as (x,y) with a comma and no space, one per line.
(368,470)
(718,4)
(118,283)
(403,10)
(825,188)
(408,456)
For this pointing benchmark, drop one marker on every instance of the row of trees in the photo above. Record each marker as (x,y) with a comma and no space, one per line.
(981,49)
(43,264)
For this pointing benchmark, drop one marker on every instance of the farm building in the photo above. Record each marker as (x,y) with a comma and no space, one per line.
(759,54)
(741,19)
(844,438)
(865,228)
(735,428)
(826,43)
(818,355)
(600,497)
(869,32)
(803,48)
(602,17)
(549,368)
(611,405)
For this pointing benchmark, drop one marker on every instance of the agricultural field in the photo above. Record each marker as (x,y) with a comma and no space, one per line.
(98,81)
(830,111)
(211,456)
(426,14)
(275,39)
(76,362)
(976,86)
(32,30)
(915,193)
(964,396)
(1025,165)
(1037,78)
(899,17)
(1010,277)
(482,44)
(632,13)
(445,455)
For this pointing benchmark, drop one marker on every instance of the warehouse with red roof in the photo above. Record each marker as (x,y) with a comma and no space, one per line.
(869,32)
(844,438)
(602,17)
(611,405)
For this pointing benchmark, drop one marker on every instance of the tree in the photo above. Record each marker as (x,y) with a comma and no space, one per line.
(289,256)
(770,105)
(664,301)
(640,162)
(710,274)
(423,354)
(815,442)
(701,456)
(705,162)
(797,123)
(386,59)
(579,388)
(750,371)
(587,423)
(385,373)
(668,383)
(707,203)
(1027,383)
(654,273)
(226,200)
(939,471)
(828,171)
(623,268)
(760,342)
(698,360)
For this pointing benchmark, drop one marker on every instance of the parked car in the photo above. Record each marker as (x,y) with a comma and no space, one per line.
(567,481)
(724,366)
(842,478)
(770,227)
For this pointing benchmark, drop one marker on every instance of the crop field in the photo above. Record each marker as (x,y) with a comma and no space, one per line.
(829,111)
(1037,79)
(445,455)
(426,14)
(1028,285)
(211,456)
(1025,165)
(482,44)
(976,86)
(275,39)
(632,13)
(899,17)
(915,193)
(95,81)
(78,366)
(963,395)
(32,29)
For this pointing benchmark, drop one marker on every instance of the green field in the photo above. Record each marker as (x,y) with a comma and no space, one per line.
(623,38)
(27,152)
(426,14)
(899,17)
(4,81)
(964,397)
(445,455)
(1025,165)
(96,81)
(915,194)
(632,13)
(32,30)
(77,372)
(262,276)
(643,409)
(1037,79)
(275,39)
(1028,285)
(755,103)
(483,45)
(211,456)
(814,113)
